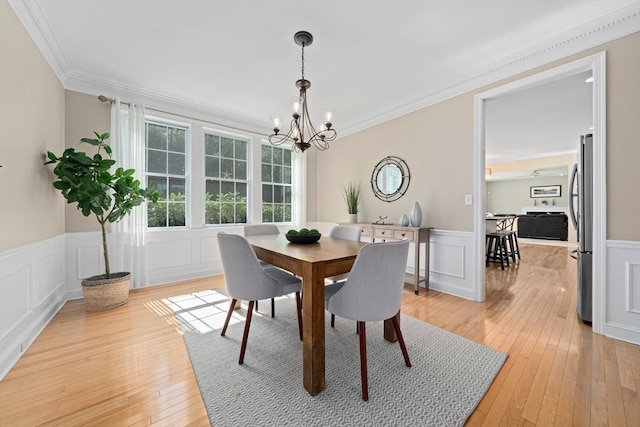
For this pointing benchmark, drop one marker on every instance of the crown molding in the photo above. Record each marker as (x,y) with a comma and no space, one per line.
(595,33)
(616,25)
(163,103)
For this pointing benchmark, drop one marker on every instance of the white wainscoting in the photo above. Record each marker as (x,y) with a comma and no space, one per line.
(621,305)
(173,256)
(31,293)
(37,279)
(451,263)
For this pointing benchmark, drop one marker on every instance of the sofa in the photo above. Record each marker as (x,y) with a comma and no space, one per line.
(543,225)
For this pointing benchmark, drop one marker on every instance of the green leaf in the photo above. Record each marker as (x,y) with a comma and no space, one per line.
(91,141)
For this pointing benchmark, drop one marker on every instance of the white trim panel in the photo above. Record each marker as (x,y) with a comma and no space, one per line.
(451,263)
(622,291)
(31,292)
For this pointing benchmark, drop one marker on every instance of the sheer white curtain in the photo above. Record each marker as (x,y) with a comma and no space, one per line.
(128,144)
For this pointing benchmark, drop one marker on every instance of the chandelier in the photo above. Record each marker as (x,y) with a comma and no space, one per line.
(302,133)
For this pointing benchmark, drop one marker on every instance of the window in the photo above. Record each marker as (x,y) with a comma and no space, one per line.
(276,184)
(166,169)
(225,171)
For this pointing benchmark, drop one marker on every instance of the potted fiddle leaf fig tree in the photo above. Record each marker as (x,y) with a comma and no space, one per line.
(107,194)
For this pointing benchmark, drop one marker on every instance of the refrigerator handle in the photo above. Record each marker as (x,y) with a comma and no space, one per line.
(573,196)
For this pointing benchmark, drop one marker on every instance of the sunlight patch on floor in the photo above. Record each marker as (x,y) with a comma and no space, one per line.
(201,312)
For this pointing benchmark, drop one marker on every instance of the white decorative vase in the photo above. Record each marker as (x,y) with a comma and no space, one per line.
(404,220)
(416,215)
(353,218)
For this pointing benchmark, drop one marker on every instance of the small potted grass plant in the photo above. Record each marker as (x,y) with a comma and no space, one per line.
(351,193)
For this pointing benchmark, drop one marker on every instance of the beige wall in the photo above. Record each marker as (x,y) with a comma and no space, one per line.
(437,142)
(31,122)
(84,115)
(623,139)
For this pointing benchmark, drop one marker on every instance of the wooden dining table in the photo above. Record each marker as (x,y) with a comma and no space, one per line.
(312,262)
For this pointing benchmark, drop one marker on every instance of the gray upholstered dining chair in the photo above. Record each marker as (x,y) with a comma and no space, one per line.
(345,232)
(261,230)
(247,280)
(373,292)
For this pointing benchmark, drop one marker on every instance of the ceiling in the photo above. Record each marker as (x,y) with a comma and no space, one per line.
(540,121)
(367,58)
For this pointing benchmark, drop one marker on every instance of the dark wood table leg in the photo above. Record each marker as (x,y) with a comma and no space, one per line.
(313,350)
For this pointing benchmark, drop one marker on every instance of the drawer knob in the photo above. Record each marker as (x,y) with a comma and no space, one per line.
(402,234)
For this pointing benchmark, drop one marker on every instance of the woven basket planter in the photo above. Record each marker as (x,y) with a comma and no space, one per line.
(104,294)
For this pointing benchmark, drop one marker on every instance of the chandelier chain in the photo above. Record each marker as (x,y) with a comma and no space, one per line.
(302,60)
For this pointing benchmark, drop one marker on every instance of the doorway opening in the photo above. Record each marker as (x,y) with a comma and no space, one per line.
(595,64)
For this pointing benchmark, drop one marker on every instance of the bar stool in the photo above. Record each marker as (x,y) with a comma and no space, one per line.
(512,237)
(496,243)
(511,243)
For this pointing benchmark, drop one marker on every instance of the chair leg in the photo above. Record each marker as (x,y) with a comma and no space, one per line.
(505,250)
(247,324)
(363,361)
(499,251)
(273,307)
(299,310)
(512,249)
(396,327)
(333,320)
(226,322)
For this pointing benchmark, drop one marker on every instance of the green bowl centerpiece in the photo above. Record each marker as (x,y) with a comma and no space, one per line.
(303,235)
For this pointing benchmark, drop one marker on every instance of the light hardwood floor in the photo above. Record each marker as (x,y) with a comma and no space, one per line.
(129,366)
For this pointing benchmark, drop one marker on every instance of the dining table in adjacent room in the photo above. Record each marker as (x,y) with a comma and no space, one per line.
(312,262)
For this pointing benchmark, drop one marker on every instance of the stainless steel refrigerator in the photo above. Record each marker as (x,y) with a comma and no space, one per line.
(581,210)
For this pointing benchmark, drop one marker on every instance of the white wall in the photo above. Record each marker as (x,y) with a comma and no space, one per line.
(512,196)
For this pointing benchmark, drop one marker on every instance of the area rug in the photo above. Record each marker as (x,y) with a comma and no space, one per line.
(449,376)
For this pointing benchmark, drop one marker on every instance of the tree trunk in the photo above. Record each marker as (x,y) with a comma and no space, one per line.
(107,270)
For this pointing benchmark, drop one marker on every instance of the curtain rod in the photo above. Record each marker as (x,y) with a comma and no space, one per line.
(103,98)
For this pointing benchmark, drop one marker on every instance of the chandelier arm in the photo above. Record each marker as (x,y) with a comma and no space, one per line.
(279,139)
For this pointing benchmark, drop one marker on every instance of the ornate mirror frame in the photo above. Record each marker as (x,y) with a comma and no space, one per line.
(402,174)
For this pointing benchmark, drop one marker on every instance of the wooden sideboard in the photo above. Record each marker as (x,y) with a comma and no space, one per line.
(417,235)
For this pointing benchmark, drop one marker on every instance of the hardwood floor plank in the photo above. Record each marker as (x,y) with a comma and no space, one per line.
(631,407)
(615,405)
(564,411)
(130,367)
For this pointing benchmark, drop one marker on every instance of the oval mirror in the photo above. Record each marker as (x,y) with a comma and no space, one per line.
(390,179)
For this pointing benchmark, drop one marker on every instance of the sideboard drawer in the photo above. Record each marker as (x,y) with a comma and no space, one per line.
(385,233)
(365,231)
(403,234)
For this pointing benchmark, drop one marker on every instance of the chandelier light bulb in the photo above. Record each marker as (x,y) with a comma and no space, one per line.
(328,117)
(295,105)
(276,120)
